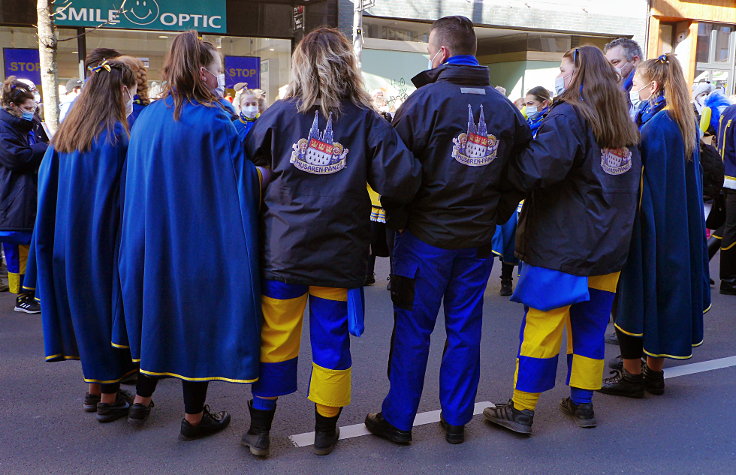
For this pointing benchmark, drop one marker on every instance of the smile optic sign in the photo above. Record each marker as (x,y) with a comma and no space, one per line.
(167,15)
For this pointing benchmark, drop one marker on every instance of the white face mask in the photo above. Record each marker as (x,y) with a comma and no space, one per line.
(430,61)
(634,98)
(129,104)
(531,111)
(559,85)
(220,90)
(250,111)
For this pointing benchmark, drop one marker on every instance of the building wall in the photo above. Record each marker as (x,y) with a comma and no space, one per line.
(620,17)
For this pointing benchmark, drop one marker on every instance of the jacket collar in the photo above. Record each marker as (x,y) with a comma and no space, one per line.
(16,123)
(454,73)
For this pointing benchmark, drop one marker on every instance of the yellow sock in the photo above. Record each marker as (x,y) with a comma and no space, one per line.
(523,400)
(327,411)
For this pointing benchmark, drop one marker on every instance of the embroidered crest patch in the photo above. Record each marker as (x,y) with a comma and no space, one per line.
(319,153)
(616,161)
(476,147)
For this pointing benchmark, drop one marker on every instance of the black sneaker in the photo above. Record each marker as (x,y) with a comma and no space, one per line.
(506,288)
(582,414)
(728,287)
(623,383)
(507,416)
(653,380)
(453,434)
(90,402)
(326,433)
(377,425)
(257,439)
(26,303)
(212,423)
(112,412)
(138,414)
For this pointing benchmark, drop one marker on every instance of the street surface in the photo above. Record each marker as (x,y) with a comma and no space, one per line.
(688,430)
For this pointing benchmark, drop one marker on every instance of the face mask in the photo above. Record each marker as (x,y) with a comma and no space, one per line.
(430,61)
(129,104)
(634,98)
(25,115)
(250,111)
(559,85)
(220,90)
(531,111)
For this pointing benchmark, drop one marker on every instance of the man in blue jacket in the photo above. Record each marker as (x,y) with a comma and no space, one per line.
(625,55)
(464,133)
(727,147)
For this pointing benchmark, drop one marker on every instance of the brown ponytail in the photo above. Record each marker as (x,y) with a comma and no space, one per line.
(100,106)
(667,73)
(181,72)
(15,92)
(595,93)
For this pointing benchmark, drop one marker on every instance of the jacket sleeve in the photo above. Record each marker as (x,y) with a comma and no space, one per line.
(258,141)
(549,157)
(393,172)
(19,156)
(412,134)
(510,197)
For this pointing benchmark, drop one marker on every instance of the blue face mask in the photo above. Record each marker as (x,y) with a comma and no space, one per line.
(27,115)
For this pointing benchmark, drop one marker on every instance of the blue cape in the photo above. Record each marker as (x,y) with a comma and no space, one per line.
(189,248)
(75,247)
(243,126)
(664,286)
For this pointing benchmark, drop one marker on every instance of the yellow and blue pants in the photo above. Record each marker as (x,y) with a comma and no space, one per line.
(15,247)
(423,277)
(283,312)
(541,337)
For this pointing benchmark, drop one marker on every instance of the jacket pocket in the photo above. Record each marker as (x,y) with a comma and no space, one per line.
(402,284)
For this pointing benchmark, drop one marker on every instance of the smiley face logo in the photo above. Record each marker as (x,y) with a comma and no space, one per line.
(141,12)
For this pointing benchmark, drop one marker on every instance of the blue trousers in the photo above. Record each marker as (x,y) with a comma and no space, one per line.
(423,277)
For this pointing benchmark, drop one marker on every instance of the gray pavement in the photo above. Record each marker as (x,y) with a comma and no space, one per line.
(688,430)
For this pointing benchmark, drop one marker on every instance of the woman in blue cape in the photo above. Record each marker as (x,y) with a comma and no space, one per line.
(140,100)
(251,104)
(664,286)
(189,252)
(77,233)
(537,102)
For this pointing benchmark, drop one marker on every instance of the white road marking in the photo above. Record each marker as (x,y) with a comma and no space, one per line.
(701,367)
(359,430)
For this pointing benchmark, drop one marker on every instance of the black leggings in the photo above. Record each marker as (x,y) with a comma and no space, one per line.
(109,388)
(195,393)
(632,347)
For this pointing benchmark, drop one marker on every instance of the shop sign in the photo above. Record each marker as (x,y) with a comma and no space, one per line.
(22,63)
(243,69)
(168,15)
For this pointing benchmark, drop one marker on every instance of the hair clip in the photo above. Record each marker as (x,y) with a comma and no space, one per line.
(103,65)
(663,59)
(575,55)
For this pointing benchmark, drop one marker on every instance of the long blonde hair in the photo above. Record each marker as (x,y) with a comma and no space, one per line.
(667,73)
(325,71)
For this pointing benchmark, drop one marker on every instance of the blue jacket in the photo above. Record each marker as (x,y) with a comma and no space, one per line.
(727,146)
(464,133)
(581,199)
(20,157)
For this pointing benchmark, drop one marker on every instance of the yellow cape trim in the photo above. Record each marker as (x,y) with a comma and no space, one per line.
(60,355)
(111,381)
(210,378)
(667,356)
(627,333)
(728,247)
(707,309)
(119,346)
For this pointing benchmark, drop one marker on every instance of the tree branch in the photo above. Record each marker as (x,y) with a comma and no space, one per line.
(121,10)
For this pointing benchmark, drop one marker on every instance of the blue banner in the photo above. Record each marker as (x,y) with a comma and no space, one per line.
(23,63)
(243,69)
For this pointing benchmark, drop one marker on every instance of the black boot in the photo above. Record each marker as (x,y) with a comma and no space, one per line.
(653,380)
(728,287)
(211,423)
(257,439)
(453,434)
(326,432)
(377,425)
(623,383)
